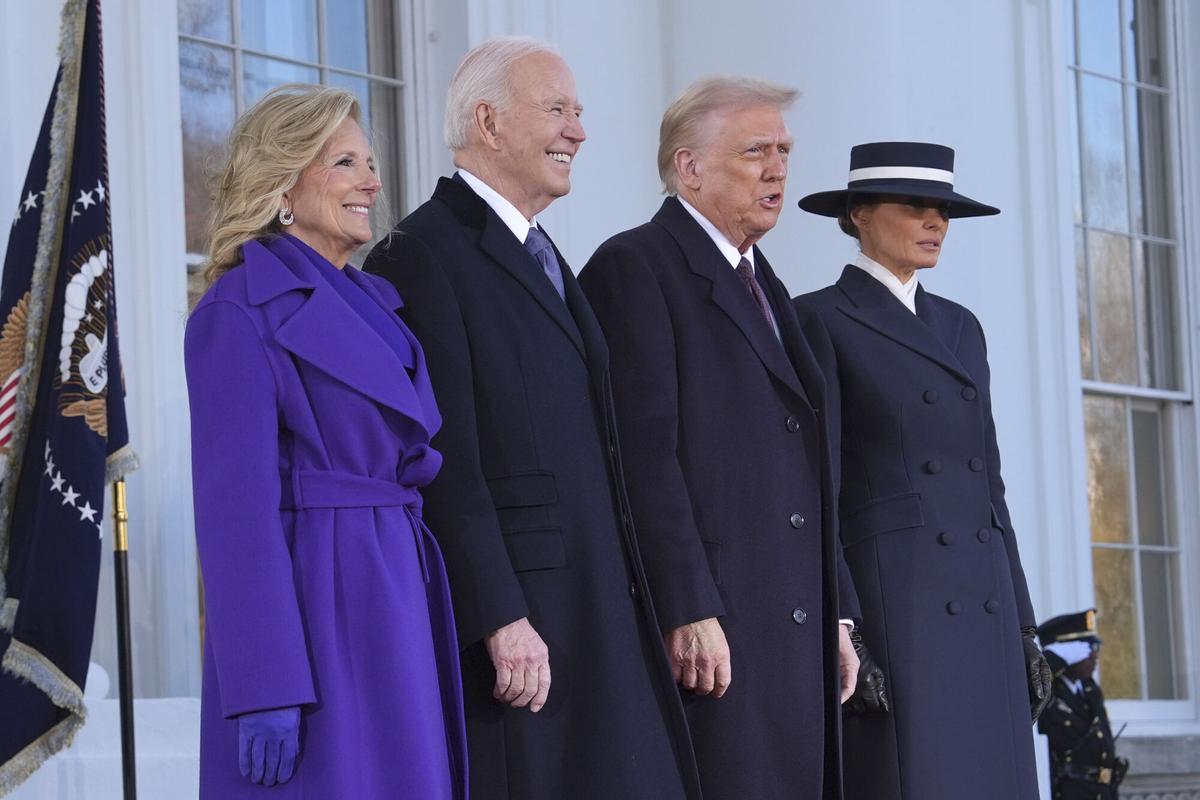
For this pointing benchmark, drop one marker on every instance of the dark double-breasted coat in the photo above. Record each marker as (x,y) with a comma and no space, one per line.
(729,476)
(1080,736)
(529,508)
(930,547)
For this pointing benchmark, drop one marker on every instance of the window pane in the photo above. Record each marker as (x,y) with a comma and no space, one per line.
(1150,149)
(1159,601)
(1120,657)
(1160,329)
(208,18)
(1105,202)
(1099,36)
(1073,135)
(1113,307)
(1144,42)
(281,27)
(263,74)
(207,104)
(346,34)
(1082,290)
(1108,468)
(1147,463)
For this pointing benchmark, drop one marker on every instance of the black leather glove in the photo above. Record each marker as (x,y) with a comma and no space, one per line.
(870,694)
(1040,676)
(1119,770)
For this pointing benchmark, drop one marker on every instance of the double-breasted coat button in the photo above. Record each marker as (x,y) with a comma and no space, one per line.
(953,607)
(933,466)
(946,538)
(976,464)
(793,424)
(991,606)
(930,396)
(797,520)
(799,616)
(984,535)
(969,393)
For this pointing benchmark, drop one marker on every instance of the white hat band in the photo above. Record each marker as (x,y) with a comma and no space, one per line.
(909,173)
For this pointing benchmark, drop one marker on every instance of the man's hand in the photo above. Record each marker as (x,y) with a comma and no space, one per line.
(522,663)
(847,662)
(699,657)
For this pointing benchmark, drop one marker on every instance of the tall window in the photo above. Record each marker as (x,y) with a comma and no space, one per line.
(231,52)
(1131,303)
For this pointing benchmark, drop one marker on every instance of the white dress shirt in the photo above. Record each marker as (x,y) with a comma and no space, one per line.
(506,211)
(906,293)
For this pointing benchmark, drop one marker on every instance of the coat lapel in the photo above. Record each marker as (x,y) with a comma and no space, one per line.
(728,292)
(876,307)
(497,240)
(325,332)
(807,368)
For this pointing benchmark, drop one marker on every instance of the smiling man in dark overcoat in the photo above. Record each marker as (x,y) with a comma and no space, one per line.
(568,691)
(719,408)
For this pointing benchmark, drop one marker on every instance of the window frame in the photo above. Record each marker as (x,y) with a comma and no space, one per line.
(1179,408)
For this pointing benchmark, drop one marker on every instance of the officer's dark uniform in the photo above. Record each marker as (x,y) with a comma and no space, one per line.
(1083,756)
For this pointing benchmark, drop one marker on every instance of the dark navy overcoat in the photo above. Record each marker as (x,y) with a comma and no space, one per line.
(323,588)
(930,546)
(529,508)
(729,474)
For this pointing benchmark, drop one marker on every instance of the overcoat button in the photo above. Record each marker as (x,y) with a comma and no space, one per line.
(930,396)
(793,424)
(969,393)
(946,538)
(984,535)
(799,615)
(991,606)
(633,592)
(933,466)
(976,464)
(612,448)
(953,607)
(797,520)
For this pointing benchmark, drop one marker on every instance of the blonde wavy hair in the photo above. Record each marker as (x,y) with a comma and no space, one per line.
(269,147)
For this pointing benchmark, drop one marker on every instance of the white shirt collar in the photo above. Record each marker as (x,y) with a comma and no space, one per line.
(906,293)
(728,250)
(506,211)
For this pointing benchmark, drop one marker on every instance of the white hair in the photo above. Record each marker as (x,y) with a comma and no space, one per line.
(484,76)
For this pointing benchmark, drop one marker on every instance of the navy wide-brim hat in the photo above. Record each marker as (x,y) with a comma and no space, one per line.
(907,169)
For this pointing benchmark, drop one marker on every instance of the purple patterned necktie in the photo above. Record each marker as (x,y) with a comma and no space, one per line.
(538,245)
(746,273)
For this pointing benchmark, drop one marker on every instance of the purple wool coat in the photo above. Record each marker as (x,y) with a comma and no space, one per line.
(323,587)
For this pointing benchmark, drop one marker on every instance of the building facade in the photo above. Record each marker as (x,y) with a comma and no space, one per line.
(1079,118)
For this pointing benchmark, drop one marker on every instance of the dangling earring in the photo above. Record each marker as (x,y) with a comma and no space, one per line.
(286,217)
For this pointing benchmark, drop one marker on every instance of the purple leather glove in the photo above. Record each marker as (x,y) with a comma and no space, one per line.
(268,744)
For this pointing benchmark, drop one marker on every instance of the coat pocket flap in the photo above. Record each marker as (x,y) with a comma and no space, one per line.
(895,513)
(535,548)
(523,489)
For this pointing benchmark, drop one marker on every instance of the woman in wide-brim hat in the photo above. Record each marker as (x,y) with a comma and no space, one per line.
(926,532)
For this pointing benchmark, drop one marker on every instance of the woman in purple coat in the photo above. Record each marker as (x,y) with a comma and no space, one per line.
(330,665)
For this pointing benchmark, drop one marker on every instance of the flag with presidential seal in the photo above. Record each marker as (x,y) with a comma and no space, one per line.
(63,431)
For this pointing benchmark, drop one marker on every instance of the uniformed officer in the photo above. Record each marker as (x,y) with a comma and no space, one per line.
(1083,755)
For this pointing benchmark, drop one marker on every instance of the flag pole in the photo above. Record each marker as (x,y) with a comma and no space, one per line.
(124,647)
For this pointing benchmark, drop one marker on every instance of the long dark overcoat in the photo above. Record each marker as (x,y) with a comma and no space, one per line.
(729,475)
(323,589)
(930,547)
(529,508)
